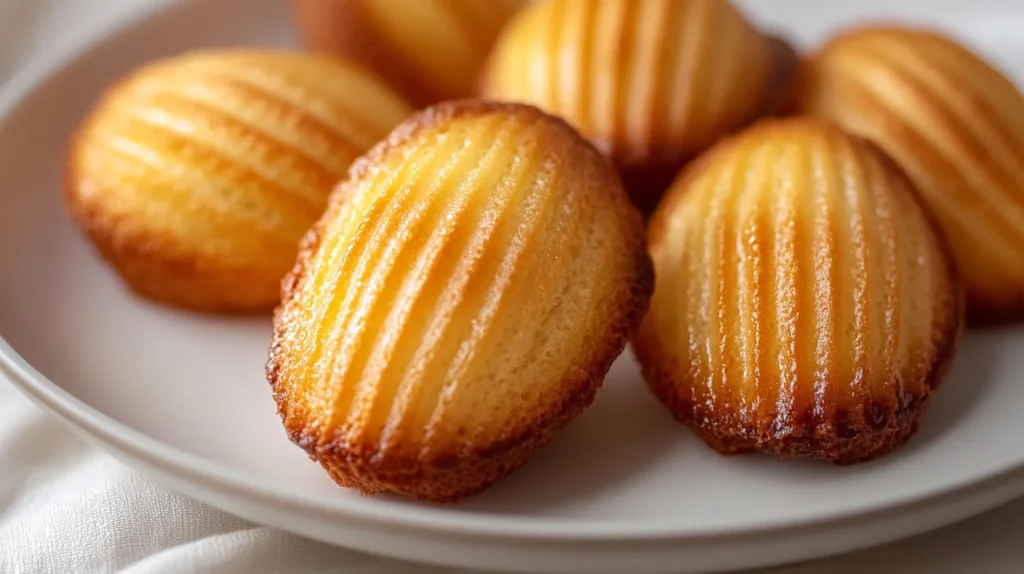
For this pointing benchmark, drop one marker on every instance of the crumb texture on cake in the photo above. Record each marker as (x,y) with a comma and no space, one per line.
(651,82)
(196,176)
(956,125)
(804,303)
(459,302)
(430,50)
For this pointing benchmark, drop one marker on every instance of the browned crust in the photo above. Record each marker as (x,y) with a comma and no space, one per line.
(856,433)
(452,475)
(155,267)
(457,473)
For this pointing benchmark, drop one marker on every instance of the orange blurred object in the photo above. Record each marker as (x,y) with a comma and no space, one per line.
(429,50)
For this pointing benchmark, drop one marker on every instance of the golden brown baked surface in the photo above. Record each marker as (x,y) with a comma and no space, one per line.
(651,82)
(804,304)
(196,176)
(460,301)
(956,126)
(431,50)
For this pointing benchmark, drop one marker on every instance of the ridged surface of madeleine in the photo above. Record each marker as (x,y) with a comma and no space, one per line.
(956,125)
(651,82)
(460,301)
(431,50)
(805,304)
(196,176)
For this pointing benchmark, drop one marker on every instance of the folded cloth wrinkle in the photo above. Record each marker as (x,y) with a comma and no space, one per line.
(266,550)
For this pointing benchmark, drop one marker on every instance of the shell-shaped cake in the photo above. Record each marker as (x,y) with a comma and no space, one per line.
(651,82)
(429,50)
(956,126)
(460,301)
(196,176)
(805,304)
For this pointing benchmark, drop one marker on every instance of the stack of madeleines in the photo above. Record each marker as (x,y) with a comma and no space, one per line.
(793,245)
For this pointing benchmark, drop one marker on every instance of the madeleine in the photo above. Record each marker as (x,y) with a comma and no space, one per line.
(196,176)
(956,125)
(429,50)
(804,304)
(651,82)
(459,302)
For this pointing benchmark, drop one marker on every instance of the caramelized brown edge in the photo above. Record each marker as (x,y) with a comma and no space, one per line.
(452,476)
(154,269)
(858,436)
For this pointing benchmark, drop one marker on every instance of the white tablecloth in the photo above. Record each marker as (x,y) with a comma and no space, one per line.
(66,507)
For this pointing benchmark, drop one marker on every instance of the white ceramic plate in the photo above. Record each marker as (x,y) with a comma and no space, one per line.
(624,489)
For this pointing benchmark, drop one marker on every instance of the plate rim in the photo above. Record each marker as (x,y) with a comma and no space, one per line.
(218,477)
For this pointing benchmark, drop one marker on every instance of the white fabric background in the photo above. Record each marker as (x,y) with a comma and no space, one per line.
(66,507)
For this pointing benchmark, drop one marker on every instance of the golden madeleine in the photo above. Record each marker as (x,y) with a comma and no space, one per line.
(805,305)
(460,301)
(956,126)
(196,176)
(430,50)
(651,82)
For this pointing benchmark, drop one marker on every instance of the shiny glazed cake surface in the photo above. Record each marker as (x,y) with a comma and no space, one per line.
(651,82)
(197,176)
(956,125)
(804,303)
(461,300)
